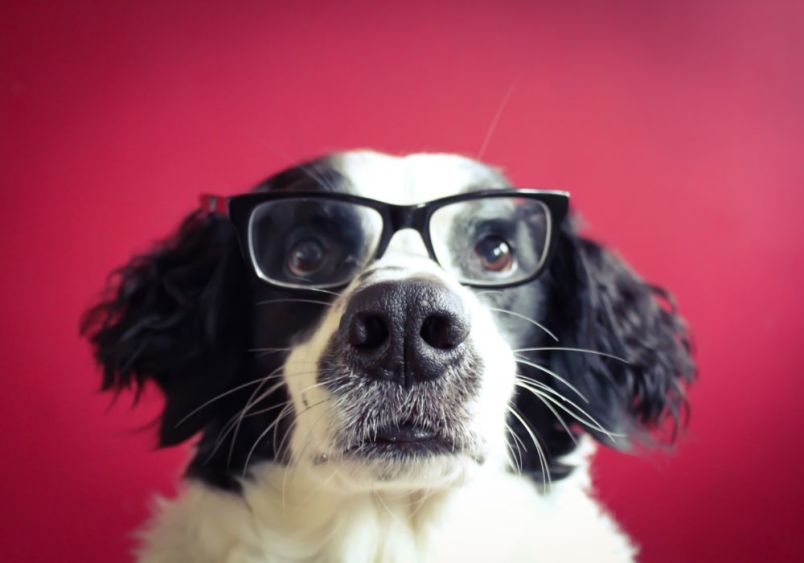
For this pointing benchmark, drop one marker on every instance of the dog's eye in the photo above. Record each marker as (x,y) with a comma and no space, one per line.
(495,254)
(306,257)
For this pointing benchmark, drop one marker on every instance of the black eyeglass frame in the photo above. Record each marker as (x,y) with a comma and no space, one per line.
(395,217)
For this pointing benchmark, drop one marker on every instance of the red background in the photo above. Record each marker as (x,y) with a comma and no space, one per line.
(677,126)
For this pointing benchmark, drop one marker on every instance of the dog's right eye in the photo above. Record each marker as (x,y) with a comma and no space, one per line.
(306,257)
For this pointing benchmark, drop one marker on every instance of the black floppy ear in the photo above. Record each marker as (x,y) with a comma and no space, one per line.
(599,304)
(176,315)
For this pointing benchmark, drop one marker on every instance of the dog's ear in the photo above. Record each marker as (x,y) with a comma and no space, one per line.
(598,304)
(176,316)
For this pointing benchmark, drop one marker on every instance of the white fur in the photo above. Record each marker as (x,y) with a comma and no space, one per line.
(287,515)
(313,438)
(324,506)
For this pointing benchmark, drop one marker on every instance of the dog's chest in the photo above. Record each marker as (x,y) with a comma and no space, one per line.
(499,519)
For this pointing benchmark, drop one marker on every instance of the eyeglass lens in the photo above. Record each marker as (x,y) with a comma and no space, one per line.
(491,241)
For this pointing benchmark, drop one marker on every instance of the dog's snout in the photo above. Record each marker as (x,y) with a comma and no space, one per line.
(404,331)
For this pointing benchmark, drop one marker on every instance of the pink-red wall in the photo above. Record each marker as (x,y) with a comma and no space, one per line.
(677,126)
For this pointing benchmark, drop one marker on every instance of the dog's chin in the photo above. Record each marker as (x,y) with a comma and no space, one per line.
(402,457)
(403,470)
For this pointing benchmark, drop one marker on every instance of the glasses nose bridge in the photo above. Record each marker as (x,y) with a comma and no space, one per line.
(403,217)
(406,217)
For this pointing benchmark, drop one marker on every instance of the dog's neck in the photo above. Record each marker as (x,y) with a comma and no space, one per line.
(285,513)
(308,518)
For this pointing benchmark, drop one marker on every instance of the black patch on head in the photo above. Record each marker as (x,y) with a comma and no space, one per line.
(313,175)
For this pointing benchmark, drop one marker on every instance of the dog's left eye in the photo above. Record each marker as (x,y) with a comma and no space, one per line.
(494,253)
(306,257)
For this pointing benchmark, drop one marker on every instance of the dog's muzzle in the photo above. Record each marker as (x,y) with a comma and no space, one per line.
(405,369)
(404,332)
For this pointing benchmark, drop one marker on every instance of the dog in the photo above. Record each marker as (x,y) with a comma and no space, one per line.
(391,359)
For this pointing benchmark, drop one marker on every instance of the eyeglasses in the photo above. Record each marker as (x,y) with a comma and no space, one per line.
(491,238)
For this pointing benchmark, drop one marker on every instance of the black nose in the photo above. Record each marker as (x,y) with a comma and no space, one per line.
(404,331)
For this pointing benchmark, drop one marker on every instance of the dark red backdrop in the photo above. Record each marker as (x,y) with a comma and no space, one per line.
(676,125)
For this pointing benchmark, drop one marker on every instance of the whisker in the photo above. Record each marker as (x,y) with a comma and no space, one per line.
(229,426)
(293,300)
(525,318)
(378,496)
(269,350)
(517,442)
(553,396)
(550,408)
(294,463)
(221,396)
(496,119)
(281,445)
(235,422)
(286,437)
(546,482)
(322,383)
(568,349)
(421,501)
(249,403)
(259,439)
(340,377)
(265,410)
(485,291)
(320,484)
(259,412)
(284,413)
(319,290)
(236,419)
(550,372)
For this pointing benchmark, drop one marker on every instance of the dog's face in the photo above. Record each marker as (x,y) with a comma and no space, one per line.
(388,357)
(405,377)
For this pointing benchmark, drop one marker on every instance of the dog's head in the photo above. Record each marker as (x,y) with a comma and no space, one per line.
(394,321)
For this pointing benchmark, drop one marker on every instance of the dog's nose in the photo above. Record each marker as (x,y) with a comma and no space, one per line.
(404,331)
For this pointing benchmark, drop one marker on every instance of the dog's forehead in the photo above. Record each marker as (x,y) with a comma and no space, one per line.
(413,178)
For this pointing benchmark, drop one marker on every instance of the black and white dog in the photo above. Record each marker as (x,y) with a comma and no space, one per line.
(390,359)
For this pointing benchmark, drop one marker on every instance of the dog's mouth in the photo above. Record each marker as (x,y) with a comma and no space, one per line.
(407,439)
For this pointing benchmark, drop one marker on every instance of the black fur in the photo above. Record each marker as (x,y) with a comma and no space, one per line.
(172,317)
(595,302)
(186,316)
